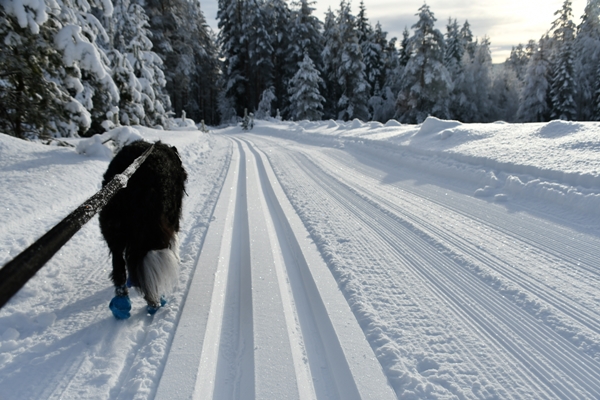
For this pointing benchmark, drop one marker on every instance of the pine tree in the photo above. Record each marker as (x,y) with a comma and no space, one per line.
(184,42)
(596,115)
(466,38)
(260,72)
(305,33)
(266,103)
(563,89)
(471,96)
(305,98)
(586,50)
(203,92)
(454,48)
(397,60)
(517,61)
(131,109)
(353,102)
(534,104)
(279,15)
(56,77)
(32,102)
(131,37)
(234,48)
(374,45)
(404,51)
(426,83)
(505,96)
(330,57)
(85,61)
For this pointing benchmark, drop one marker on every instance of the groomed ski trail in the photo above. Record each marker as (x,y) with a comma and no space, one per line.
(264,318)
(451,309)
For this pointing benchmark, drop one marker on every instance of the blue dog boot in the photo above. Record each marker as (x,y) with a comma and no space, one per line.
(120,307)
(153,309)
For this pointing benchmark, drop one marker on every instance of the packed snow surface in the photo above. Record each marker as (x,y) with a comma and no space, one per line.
(323,260)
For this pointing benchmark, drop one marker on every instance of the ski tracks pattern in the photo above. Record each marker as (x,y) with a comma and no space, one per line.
(264,317)
(456,299)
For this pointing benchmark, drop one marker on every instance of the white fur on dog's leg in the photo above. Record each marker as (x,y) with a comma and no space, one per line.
(161,268)
(174,246)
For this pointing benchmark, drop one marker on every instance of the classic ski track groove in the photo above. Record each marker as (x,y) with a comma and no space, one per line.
(267,332)
(381,239)
(384,232)
(505,323)
(588,317)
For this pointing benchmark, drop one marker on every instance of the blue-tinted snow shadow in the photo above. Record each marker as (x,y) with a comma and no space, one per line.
(393,174)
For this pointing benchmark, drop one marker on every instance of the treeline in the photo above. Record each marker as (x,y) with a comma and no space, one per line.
(78,67)
(346,68)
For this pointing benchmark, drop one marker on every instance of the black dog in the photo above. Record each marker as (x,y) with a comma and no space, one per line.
(140,225)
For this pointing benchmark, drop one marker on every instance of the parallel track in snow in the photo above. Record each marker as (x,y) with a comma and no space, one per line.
(576,255)
(400,234)
(264,317)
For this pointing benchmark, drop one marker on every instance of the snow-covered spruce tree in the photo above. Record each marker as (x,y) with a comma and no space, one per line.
(586,50)
(305,33)
(266,103)
(350,74)
(330,57)
(32,102)
(131,109)
(383,105)
(260,48)
(596,115)
(471,94)
(519,58)
(466,37)
(279,16)
(306,101)
(372,43)
(131,37)
(397,60)
(426,83)
(563,88)
(404,54)
(505,95)
(148,67)
(183,40)
(389,54)
(86,67)
(200,98)
(370,46)
(234,48)
(454,49)
(534,104)
(69,29)
(383,59)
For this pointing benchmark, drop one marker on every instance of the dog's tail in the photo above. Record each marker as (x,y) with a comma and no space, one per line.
(160,269)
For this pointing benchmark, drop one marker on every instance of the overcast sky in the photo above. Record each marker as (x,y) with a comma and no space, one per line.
(506,22)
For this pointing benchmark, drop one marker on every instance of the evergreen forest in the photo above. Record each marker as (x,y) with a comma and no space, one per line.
(79,67)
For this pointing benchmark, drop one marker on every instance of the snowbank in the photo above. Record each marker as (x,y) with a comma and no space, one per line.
(558,161)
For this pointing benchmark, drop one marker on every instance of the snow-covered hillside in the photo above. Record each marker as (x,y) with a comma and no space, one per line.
(325,260)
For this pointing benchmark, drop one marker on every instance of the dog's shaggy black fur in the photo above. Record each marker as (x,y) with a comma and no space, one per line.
(144,216)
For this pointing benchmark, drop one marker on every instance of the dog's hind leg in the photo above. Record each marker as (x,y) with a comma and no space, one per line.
(160,270)
(120,305)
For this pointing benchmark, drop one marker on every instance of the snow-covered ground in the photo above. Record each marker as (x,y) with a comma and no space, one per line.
(325,260)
